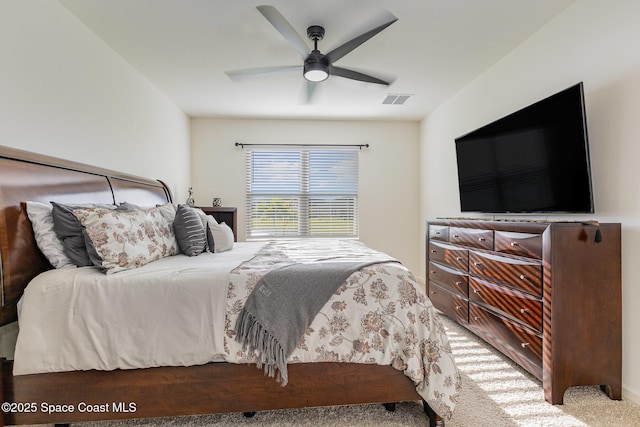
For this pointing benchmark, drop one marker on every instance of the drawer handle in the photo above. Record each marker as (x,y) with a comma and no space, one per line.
(477,264)
(524,310)
(433,292)
(459,258)
(482,239)
(458,307)
(456,235)
(523,277)
(433,251)
(524,344)
(433,272)
(514,243)
(476,318)
(458,283)
(437,232)
(476,291)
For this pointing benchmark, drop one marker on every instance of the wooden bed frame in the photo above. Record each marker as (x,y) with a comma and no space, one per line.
(153,392)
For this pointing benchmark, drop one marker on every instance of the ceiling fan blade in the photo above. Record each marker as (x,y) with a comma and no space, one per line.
(355,75)
(347,47)
(310,90)
(284,28)
(263,71)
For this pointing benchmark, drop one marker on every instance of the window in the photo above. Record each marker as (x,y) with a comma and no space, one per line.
(302,192)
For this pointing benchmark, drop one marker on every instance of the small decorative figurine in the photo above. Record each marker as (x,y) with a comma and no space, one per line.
(190,200)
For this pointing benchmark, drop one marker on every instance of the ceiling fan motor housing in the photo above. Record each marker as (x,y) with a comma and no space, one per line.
(315,33)
(316,67)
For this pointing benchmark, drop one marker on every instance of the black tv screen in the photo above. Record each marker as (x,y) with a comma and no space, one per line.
(533,160)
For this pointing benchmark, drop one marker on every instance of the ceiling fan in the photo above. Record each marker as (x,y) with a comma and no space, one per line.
(316,66)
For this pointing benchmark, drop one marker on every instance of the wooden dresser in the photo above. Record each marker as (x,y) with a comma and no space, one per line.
(546,294)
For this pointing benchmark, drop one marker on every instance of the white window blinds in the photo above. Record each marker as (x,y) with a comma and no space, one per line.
(302,192)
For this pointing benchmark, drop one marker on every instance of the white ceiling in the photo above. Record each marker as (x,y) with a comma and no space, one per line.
(436,47)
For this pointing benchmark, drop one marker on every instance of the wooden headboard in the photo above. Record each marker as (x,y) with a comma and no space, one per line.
(27,176)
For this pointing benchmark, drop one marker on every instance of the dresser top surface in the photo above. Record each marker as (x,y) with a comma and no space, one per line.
(531,226)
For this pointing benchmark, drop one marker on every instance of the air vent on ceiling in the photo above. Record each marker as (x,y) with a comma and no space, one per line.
(396,98)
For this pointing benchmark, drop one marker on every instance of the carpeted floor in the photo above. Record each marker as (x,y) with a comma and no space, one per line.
(495,393)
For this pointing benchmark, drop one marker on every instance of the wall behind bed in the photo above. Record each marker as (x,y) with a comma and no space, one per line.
(388,194)
(67,94)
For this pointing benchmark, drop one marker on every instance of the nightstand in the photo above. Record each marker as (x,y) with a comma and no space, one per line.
(228,215)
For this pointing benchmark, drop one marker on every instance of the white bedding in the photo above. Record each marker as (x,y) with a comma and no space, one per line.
(181,311)
(174,303)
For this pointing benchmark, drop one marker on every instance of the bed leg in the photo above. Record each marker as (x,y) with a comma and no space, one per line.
(391,407)
(61,425)
(248,414)
(434,419)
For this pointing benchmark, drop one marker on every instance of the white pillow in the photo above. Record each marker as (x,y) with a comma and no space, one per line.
(167,210)
(47,239)
(222,235)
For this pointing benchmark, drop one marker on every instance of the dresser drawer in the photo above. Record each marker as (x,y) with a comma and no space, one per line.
(453,256)
(517,305)
(516,272)
(452,305)
(523,244)
(471,237)
(439,232)
(520,344)
(453,280)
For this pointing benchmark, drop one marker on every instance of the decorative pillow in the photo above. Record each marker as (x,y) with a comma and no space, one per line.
(168,210)
(70,231)
(189,231)
(47,239)
(123,240)
(222,235)
(126,206)
(205,218)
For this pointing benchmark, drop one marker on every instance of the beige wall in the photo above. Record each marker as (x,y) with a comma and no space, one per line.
(388,193)
(65,93)
(592,41)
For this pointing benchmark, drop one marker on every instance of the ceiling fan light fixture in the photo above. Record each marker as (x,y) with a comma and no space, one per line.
(316,69)
(315,72)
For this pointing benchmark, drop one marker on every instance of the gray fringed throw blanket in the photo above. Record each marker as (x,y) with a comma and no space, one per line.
(283,304)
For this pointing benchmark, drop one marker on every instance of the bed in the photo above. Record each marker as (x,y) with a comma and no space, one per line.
(168,387)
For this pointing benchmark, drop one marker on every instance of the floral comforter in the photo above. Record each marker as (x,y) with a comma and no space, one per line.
(379,315)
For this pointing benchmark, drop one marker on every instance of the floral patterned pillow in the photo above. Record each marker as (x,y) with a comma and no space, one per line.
(118,240)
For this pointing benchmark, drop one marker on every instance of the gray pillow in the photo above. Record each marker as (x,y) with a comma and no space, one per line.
(71,232)
(189,231)
(205,223)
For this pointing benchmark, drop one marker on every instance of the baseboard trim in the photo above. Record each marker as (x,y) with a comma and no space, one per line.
(630,395)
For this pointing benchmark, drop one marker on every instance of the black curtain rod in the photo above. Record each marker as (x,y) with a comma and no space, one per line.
(360,146)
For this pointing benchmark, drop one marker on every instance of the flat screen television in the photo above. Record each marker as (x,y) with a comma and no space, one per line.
(535,160)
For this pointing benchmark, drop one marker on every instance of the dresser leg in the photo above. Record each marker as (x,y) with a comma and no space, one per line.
(614,392)
(555,394)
